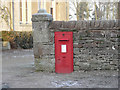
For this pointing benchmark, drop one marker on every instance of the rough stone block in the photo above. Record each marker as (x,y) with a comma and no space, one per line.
(76,68)
(113,34)
(46,49)
(51,37)
(77,63)
(40,49)
(75,37)
(95,61)
(101,25)
(84,24)
(96,34)
(117,24)
(82,33)
(52,49)
(85,66)
(37,48)
(40,25)
(111,24)
(106,67)
(79,25)
(44,65)
(36,63)
(76,45)
(69,24)
(92,24)
(114,62)
(41,36)
(97,24)
(55,24)
(76,51)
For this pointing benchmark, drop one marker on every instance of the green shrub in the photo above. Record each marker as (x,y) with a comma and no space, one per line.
(18,39)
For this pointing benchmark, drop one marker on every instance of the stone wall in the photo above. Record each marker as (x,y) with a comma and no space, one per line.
(95,43)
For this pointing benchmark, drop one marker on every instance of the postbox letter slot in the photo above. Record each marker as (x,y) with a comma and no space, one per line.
(63,48)
(63,40)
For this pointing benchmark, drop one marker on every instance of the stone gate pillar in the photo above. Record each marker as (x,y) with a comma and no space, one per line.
(40,23)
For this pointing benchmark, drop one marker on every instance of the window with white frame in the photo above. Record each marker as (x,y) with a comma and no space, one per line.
(20,11)
(26,11)
(23,11)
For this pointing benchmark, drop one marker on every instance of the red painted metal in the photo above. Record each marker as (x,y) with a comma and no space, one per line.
(63,52)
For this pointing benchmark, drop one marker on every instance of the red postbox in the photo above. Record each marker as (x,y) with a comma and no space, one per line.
(63,52)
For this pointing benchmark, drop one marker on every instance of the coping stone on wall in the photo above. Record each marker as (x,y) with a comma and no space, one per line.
(42,15)
(55,24)
(69,24)
(85,25)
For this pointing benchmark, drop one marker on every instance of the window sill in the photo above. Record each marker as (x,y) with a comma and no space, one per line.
(25,24)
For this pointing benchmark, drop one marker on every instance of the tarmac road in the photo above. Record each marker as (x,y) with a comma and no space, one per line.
(18,72)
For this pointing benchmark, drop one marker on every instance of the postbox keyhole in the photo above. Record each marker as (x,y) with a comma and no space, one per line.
(63,34)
